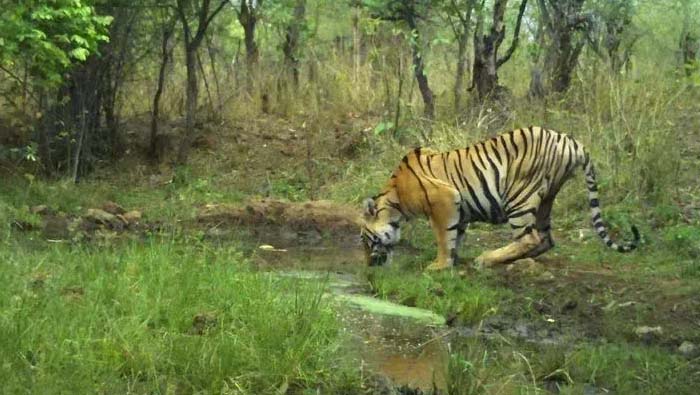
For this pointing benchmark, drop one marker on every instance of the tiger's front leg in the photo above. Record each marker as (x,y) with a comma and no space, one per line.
(448,229)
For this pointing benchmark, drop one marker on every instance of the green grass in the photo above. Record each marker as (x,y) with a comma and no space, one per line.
(476,368)
(159,316)
(467,299)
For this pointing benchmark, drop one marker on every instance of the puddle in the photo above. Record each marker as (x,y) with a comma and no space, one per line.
(404,344)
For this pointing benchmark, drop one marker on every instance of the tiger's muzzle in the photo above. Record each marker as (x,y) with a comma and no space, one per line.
(377,254)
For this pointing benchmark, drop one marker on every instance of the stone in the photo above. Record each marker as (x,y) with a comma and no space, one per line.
(100,216)
(648,333)
(41,209)
(56,228)
(131,217)
(113,208)
(688,349)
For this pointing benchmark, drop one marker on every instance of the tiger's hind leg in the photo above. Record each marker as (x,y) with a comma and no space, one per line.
(543,226)
(527,237)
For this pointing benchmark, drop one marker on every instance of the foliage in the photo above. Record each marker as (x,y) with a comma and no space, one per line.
(49,36)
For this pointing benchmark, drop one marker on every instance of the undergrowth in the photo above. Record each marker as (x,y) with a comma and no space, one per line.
(159,316)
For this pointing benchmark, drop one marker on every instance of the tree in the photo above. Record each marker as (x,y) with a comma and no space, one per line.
(459,16)
(248,13)
(409,12)
(565,28)
(167,25)
(193,36)
(46,39)
(689,43)
(292,39)
(486,45)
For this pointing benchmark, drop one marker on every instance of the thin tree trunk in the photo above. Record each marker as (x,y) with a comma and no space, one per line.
(419,68)
(248,19)
(190,106)
(212,61)
(292,37)
(356,41)
(461,71)
(206,83)
(164,59)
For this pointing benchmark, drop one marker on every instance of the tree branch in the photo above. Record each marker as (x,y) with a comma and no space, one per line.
(205,20)
(516,36)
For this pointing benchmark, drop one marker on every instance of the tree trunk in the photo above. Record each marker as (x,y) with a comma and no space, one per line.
(165,53)
(689,51)
(486,60)
(248,19)
(419,67)
(461,32)
(292,40)
(192,91)
(461,70)
(562,19)
(192,43)
(356,41)
(485,71)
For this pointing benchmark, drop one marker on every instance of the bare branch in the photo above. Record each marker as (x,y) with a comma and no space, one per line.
(516,36)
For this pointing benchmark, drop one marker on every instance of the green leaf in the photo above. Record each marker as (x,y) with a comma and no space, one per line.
(79,53)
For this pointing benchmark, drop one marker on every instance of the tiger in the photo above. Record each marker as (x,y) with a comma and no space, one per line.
(510,178)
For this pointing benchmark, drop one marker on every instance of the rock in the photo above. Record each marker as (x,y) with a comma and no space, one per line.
(56,228)
(648,333)
(131,217)
(522,330)
(217,233)
(113,208)
(688,349)
(100,216)
(41,209)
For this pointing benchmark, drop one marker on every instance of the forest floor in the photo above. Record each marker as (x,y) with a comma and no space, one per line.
(580,319)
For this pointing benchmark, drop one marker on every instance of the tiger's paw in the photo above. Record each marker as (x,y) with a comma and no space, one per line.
(437,266)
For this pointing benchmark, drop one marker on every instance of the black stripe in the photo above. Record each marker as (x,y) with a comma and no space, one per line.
(444,163)
(496,173)
(495,208)
(594,203)
(425,191)
(521,213)
(515,146)
(494,147)
(480,210)
(396,206)
(429,160)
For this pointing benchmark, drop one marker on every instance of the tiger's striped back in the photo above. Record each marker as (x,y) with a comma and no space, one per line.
(500,179)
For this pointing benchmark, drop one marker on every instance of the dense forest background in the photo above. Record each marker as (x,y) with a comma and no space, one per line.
(162,160)
(75,73)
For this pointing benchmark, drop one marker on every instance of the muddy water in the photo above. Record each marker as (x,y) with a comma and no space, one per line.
(406,345)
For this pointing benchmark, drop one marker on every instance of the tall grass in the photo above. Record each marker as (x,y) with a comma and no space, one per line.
(157,317)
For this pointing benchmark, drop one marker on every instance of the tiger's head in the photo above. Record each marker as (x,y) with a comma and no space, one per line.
(380,229)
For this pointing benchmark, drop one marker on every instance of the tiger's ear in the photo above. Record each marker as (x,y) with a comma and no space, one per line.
(370,207)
